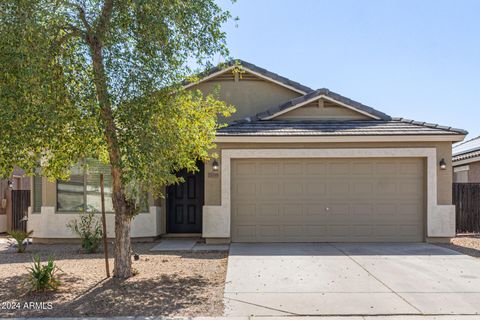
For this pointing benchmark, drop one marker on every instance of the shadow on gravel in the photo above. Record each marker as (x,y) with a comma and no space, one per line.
(163,295)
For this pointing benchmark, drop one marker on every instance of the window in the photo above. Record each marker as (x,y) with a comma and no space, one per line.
(70,194)
(82,191)
(37,193)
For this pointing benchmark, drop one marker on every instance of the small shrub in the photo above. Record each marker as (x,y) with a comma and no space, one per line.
(42,277)
(89,230)
(20,237)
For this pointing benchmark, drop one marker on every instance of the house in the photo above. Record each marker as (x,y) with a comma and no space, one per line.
(466,161)
(295,165)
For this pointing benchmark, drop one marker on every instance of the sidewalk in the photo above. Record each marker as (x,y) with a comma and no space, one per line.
(409,317)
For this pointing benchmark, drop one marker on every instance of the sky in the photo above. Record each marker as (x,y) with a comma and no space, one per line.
(414,59)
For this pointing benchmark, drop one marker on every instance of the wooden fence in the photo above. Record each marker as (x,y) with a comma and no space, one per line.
(466,198)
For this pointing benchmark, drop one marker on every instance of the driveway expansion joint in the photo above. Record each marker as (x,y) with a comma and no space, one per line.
(376,278)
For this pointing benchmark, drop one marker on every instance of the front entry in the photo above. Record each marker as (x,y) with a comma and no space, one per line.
(185,203)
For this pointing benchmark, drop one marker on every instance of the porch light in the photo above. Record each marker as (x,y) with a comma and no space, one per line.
(215,165)
(443,164)
(10,184)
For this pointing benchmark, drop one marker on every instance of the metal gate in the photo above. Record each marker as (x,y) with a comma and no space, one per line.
(20,204)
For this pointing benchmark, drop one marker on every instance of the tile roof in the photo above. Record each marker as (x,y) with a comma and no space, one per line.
(317,93)
(254,68)
(465,156)
(466,150)
(258,125)
(397,126)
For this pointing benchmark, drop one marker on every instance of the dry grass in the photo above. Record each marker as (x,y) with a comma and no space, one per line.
(179,284)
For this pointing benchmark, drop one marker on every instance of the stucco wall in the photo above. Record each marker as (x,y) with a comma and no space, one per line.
(474,172)
(248,96)
(52,225)
(467,172)
(444,150)
(49,224)
(3,223)
(324,110)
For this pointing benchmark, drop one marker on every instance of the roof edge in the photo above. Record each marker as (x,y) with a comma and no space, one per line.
(317,94)
(274,77)
(431,125)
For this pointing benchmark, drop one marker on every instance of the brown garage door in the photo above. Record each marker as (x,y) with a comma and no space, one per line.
(315,200)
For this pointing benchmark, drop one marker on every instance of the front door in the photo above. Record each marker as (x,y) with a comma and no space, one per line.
(185,202)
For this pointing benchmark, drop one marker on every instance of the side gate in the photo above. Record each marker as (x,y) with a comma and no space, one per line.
(466,198)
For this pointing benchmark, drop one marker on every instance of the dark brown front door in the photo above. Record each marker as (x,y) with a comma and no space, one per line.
(185,202)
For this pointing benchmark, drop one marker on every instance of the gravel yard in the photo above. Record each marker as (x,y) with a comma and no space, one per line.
(466,244)
(176,284)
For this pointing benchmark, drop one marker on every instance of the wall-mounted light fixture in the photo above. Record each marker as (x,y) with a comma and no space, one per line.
(443,164)
(10,184)
(215,165)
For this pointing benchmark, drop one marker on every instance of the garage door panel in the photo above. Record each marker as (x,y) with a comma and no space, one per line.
(362,168)
(386,168)
(268,168)
(268,210)
(314,188)
(268,189)
(339,168)
(292,168)
(411,169)
(246,168)
(313,168)
(241,210)
(327,200)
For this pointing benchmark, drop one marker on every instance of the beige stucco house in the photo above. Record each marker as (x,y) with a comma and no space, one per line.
(295,165)
(466,161)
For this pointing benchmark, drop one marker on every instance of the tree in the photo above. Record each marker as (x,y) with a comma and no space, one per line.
(102,79)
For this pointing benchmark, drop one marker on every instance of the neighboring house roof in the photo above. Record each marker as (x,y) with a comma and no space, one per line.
(394,127)
(317,94)
(466,150)
(221,68)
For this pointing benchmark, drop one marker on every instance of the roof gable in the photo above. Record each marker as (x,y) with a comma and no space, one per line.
(326,95)
(252,69)
(321,109)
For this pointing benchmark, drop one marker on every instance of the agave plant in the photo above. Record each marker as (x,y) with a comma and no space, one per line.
(43,277)
(20,237)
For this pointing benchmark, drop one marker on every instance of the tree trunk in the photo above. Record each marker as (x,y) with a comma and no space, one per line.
(124,208)
(123,258)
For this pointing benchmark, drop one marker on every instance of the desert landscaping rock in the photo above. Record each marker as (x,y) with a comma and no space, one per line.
(175,284)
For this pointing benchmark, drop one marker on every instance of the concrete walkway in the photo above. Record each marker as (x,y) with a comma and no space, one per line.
(188,245)
(289,279)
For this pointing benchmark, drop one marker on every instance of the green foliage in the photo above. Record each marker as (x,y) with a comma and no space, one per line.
(20,237)
(51,112)
(102,79)
(43,277)
(89,231)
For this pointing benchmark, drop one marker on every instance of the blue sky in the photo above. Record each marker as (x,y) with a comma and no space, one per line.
(415,59)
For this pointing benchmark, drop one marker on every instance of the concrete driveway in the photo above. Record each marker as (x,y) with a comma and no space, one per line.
(350,279)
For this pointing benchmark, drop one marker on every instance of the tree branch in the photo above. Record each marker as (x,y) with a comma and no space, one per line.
(65,38)
(82,15)
(104,19)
